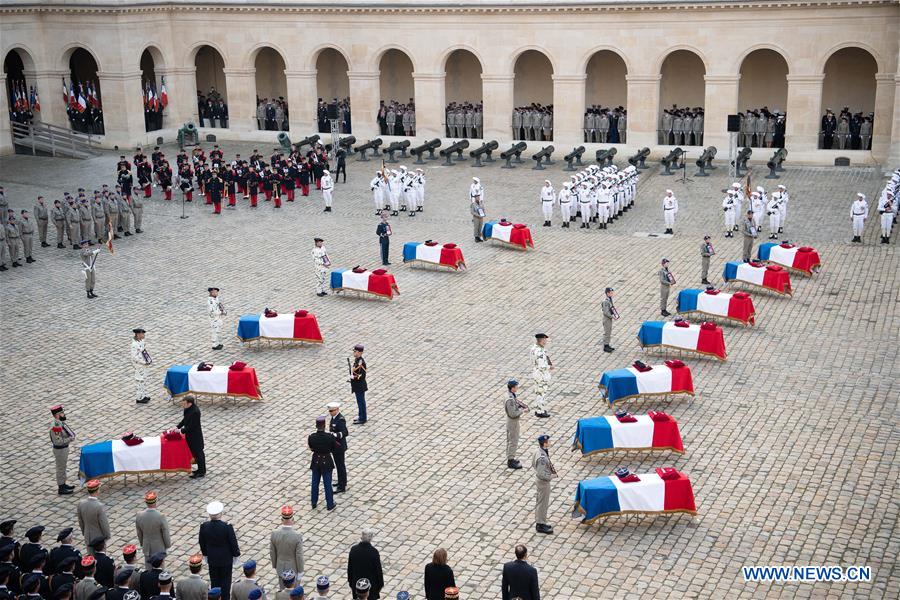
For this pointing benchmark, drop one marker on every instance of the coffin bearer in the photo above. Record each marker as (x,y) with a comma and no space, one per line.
(152,529)
(514,410)
(544,473)
(706,251)
(61,435)
(140,360)
(666,279)
(609,315)
(286,546)
(215,310)
(42,217)
(541,367)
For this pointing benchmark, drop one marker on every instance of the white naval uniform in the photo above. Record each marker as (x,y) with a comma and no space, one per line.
(394,184)
(887,216)
(565,204)
(548,198)
(584,205)
(758,206)
(476,189)
(603,201)
(730,206)
(420,190)
(540,373)
(214,309)
(376,185)
(782,207)
(321,262)
(139,362)
(327,189)
(859,212)
(774,215)
(670,209)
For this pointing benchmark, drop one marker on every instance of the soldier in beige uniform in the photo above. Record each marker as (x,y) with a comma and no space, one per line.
(88,585)
(112,215)
(91,515)
(85,219)
(192,587)
(99,213)
(515,408)
(544,473)
(241,589)
(42,217)
(73,224)
(26,234)
(748,230)
(286,546)
(125,215)
(666,279)
(58,216)
(152,529)
(89,267)
(61,435)
(706,250)
(609,315)
(137,211)
(12,240)
(4,249)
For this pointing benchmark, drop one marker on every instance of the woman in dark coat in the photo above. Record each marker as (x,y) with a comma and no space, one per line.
(438,576)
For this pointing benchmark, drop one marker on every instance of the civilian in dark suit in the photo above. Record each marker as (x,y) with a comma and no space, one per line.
(365,562)
(219,547)
(520,580)
(193,434)
(438,576)
(322,445)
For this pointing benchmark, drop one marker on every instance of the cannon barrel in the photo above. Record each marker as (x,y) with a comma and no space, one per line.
(447,152)
(637,160)
(774,163)
(347,142)
(484,149)
(605,157)
(428,146)
(371,144)
(538,157)
(513,153)
(671,159)
(309,141)
(740,161)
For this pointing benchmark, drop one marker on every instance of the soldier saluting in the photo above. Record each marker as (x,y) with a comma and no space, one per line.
(61,435)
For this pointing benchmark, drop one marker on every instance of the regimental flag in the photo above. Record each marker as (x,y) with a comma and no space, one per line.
(109,240)
(92,97)
(81,103)
(748,189)
(35,100)
(163,94)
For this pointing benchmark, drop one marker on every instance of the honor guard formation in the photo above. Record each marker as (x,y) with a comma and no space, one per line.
(187,473)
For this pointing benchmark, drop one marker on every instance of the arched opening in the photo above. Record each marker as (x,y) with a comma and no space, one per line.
(606,96)
(397,111)
(464,112)
(533,97)
(848,97)
(23,102)
(86,112)
(332,87)
(762,97)
(212,93)
(155,95)
(682,90)
(271,91)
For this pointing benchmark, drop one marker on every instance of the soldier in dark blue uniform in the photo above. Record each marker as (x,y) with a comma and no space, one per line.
(322,444)
(338,428)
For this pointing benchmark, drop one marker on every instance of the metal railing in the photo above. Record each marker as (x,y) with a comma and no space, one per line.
(58,141)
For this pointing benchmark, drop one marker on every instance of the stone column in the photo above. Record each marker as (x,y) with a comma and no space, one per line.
(893,160)
(364,92)
(181,87)
(568,111)
(497,91)
(6,145)
(720,100)
(884,115)
(643,109)
(49,87)
(429,98)
(301,98)
(804,112)
(123,107)
(240,85)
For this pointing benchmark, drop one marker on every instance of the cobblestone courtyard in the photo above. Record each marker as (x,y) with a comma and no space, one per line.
(791,444)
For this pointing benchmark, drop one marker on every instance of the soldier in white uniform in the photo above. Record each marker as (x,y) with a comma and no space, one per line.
(394,186)
(604,198)
(286,546)
(886,212)
(377,187)
(584,205)
(321,262)
(548,199)
(541,367)
(420,190)
(670,209)
(544,473)
(215,310)
(782,207)
(738,199)
(774,212)
(758,206)
(514,408)
(729,206)
(327,189)
(565,204)
(409,193)
(140,361)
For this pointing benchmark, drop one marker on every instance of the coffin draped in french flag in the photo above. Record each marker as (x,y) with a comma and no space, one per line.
(608,496)
(803,259)
(671,378)
(218,381)
(734,307)
(444,255)
(706,339)
(378,282)
(517,235)
(607,433)
(299,326)
(115,457)
(771,277)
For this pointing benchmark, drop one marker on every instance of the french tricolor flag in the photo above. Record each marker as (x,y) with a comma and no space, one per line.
(706,339)
(736,307)
(448,255)
(115,456)
(378,282)
(607,433)
(606,496)
(620,384)
(300,326)
(803,259)
(771,277)
(218,381)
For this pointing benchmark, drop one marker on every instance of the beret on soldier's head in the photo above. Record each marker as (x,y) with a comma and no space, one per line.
(215,592)
(157,559)
(249,565)
(297,592)
(255,594)
(97,542)
(35,532)
(543,438)
(64,534)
